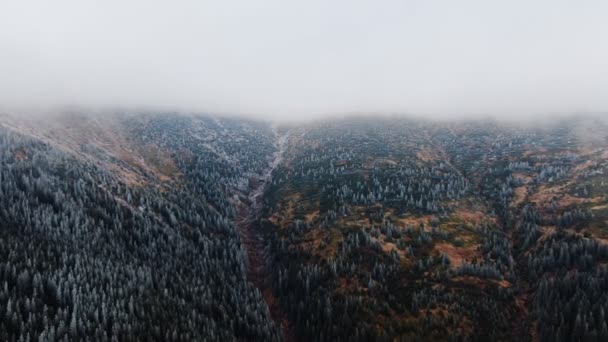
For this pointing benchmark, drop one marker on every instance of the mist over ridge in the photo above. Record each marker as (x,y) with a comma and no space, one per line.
(285,62)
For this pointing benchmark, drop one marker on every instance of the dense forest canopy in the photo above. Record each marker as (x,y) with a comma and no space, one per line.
(171,227)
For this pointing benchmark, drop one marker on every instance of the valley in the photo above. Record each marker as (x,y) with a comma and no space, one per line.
(311,171)
(258,259)
(174,227)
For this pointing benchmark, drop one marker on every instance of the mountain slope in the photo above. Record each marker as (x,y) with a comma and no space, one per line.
(188,227)
(101,245)
(419,230)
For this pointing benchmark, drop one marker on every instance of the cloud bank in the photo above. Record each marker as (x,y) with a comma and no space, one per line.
(299,60)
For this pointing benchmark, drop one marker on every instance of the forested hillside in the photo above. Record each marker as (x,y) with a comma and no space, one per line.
(167,227)
(417,230)
(121,229)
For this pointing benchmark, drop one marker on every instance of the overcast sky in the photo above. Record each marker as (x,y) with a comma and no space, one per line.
(302,59)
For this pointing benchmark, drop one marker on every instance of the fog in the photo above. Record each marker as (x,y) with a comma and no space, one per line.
(284,60)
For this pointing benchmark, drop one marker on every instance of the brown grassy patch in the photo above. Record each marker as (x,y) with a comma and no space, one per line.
(371,163)
(313,242)
(159,162)
(311,217)
(104,140)
(285,214)
(470,280)
(525,178)
(583,166)
(568,200)
(519,195)
(388,213)
(537,151)
(482,283)
(504,283)
(149,159)
(427,154)
(387,247)
(471,216)
(545,195)
(415,221)
(546,231)
(20,155)
(341,162)
(129,176)
(458,255)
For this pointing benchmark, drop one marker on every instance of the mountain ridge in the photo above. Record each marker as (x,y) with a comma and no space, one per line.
(365,229)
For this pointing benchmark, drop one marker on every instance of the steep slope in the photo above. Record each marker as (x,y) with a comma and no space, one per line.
(185,227)
(123,229)
(410,229)
(259,264)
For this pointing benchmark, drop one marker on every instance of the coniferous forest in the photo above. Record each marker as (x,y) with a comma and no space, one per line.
(174,227)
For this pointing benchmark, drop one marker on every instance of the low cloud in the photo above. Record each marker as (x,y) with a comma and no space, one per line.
(295,61)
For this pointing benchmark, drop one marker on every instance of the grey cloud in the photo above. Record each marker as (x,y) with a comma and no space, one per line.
(300,60)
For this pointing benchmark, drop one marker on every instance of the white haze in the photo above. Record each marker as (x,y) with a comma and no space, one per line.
(306,59)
